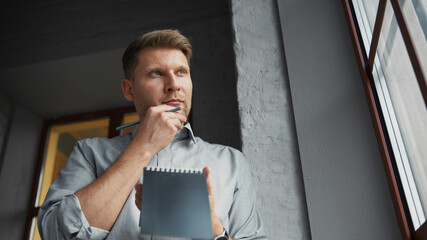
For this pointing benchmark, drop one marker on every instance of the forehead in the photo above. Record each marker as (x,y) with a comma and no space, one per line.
(161,57)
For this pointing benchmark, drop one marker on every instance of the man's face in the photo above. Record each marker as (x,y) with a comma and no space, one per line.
(162,76)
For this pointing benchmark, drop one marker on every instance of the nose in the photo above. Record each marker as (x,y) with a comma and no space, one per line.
(172,83)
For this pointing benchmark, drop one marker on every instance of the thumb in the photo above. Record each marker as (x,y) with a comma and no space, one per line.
(207,171)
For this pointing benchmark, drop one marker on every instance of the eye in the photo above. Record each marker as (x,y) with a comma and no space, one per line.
(182,72)
(155,73)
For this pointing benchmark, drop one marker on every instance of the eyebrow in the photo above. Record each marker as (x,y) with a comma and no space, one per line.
(158,68)
(184,66)
(150,69)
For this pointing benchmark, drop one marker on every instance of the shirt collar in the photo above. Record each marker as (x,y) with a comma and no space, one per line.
(182,134)
(189,130)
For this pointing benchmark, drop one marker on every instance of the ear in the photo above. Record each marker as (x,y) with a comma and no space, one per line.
(127,88)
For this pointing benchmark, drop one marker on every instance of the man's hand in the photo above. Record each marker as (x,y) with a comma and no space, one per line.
(158,128)
(216,223)
(112,188)
(138,195)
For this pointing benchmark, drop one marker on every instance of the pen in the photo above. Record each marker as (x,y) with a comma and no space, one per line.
(136,122)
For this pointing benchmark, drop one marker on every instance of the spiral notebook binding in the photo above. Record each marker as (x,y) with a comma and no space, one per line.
(174,170)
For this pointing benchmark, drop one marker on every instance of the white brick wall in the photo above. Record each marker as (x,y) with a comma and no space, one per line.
(268,130)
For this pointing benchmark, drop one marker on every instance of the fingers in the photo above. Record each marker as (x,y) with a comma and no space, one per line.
(165,109)
(158,128)
(138,195)
(162,114)
(180,116)
(175,119)
(207,171)
(216,223)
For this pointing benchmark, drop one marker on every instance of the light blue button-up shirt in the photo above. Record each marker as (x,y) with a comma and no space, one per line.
(61,217)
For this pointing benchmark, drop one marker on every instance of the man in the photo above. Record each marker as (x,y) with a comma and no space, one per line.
(94,195)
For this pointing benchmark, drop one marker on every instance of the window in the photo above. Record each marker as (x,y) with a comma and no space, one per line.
(58,139)
(389,37)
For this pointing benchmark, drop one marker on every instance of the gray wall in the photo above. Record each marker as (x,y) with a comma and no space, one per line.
(307,112)
(346,189)
(17,172)
(64,57)
(5,111)
(268,130)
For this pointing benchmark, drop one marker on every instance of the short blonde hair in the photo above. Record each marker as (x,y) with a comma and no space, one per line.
(167,38)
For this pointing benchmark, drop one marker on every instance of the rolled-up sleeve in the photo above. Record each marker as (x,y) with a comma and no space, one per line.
(61,216)
(245,220)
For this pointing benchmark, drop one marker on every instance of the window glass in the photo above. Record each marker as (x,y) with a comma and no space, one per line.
(416,19)
(61,141)
(405,114)
(366,13)
(399,95)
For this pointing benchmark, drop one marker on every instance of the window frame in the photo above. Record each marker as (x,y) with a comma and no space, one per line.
(366,69)
(115,119)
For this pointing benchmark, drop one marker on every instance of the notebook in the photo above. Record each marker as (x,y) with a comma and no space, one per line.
(175,203)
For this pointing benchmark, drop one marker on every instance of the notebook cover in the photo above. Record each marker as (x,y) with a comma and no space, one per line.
(175,203)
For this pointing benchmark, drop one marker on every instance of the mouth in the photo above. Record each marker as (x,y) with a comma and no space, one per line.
(176,102)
